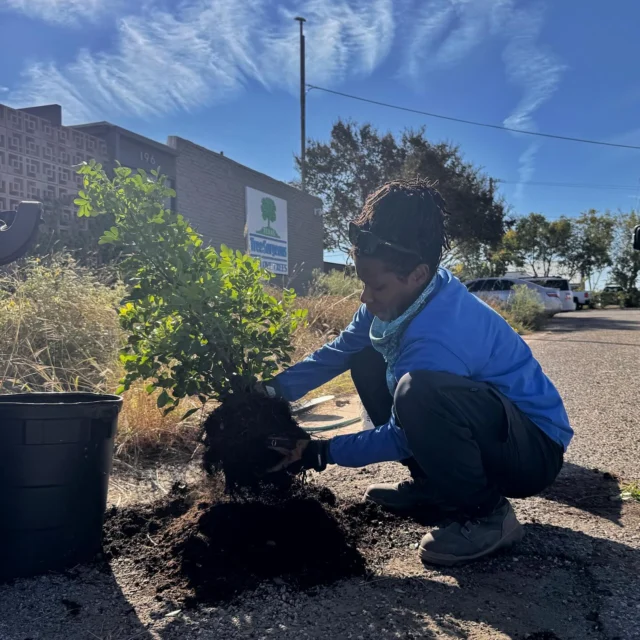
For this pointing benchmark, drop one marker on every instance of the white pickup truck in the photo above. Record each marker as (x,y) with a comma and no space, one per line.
(581,298)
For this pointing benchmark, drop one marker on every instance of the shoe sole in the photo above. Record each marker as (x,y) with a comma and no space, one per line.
(396,508)
(448,560)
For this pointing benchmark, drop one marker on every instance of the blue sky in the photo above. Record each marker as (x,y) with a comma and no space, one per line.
(224,74)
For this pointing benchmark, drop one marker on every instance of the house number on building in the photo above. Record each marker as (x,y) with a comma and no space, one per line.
(148,157)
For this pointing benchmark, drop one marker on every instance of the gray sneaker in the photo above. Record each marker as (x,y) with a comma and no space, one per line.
(457,543)
(400,496)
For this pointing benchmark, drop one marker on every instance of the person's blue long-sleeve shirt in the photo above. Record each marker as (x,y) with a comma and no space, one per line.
(455,333)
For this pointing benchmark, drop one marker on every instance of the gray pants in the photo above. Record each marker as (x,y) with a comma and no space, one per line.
(469,442)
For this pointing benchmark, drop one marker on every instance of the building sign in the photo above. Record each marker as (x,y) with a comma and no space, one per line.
(137,155)
(267,230)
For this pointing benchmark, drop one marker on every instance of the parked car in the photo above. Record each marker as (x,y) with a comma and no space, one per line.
(566,295)
(502,289)
(581,298)
(612,288)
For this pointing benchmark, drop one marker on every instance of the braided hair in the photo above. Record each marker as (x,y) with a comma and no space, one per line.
(410,213)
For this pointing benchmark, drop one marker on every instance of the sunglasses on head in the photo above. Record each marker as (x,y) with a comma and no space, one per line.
(367,242)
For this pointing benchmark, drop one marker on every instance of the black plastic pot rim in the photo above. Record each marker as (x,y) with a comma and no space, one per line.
(38,399)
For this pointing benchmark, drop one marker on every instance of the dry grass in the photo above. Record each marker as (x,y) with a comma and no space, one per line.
(328,316)
(58,327)
(145,432)
(630,491)
(340,386)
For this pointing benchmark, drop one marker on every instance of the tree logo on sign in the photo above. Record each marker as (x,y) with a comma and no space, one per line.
(269,211)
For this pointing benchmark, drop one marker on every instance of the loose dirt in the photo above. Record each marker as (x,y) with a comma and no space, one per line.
(205,547)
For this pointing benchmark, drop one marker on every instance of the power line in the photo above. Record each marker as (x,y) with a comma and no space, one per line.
(472,122)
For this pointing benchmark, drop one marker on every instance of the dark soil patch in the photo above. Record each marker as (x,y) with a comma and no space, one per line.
(210,550)
(237,435)
(72,606)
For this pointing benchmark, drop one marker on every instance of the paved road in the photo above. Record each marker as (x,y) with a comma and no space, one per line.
(594,359)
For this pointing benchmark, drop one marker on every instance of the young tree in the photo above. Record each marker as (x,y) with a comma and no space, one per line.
(358,159)
(200,322)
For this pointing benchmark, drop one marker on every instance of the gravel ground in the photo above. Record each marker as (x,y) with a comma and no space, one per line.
(574,576)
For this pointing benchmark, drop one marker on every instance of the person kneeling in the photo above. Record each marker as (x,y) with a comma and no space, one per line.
(455,394)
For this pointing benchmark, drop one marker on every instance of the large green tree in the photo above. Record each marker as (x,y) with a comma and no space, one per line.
(540,244)
(357,159)
(626,261)
(588,250)
(471,260)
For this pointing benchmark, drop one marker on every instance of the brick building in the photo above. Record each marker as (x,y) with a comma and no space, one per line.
(38,153)
(132,150)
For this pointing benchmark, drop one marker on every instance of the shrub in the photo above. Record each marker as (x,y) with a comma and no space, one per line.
(59,327)
(506,314)
(526,309)
(198,322)
(622,299)
(335,283)
(524,312)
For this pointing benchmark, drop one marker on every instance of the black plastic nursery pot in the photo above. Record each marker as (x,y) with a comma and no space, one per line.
(55,460)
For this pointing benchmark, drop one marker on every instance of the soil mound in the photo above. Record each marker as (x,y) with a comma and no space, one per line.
(196,550)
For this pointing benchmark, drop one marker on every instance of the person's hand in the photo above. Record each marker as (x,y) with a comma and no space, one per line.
(264,389)
(303,453)
(291,450)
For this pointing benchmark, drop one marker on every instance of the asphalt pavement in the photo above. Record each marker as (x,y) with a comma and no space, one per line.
(593,357)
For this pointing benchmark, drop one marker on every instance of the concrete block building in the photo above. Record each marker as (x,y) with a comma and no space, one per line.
(37,154)
(228,203)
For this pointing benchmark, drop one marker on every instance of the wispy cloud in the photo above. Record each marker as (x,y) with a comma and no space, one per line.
(65,12)
(168,56)
(445,32)
(208,51)
(531,66)
(535,69)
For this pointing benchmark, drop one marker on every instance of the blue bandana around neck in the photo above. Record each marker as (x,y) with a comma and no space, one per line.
(385,336)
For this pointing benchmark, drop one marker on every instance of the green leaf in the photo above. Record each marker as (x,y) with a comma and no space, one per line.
(190,413)
(163,399)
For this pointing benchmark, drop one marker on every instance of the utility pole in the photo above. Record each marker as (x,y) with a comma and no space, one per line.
(303,109)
